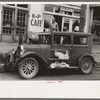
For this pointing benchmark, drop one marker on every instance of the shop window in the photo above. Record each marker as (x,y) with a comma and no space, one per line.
(8,16)
(76,13)
(22,5)
(67,13)
(21,22)
(80,40)
(75,24)
(66,24)
(11,4)
(21,18)
(20,31)
(57,10)
(7,31)
(47,21)
(95,29)
(49,8)
(96,13)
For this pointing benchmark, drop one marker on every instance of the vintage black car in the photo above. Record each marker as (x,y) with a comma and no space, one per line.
(55,50)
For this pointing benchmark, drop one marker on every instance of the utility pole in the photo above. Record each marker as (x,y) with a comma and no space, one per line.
(82,17)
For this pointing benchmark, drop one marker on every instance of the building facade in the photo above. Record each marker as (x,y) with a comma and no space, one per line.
(33,18)
(92,24)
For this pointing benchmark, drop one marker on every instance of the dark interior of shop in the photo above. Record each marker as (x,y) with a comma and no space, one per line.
(59,21)
(95,30)
(96,14)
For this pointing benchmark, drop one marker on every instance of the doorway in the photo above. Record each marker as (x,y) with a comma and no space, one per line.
(14,23)
(96,22)
(58,19)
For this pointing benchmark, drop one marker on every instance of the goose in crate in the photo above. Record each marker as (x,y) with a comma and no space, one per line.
(61,56)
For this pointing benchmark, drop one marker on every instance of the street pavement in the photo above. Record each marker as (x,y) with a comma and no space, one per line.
(57,74)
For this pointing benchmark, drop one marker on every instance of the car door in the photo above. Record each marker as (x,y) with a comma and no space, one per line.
(80,46)
(62,47)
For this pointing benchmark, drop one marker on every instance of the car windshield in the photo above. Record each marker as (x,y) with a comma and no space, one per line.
(45,39)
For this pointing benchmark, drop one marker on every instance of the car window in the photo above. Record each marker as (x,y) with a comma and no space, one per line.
(62,39)
(80,40)
(45,39)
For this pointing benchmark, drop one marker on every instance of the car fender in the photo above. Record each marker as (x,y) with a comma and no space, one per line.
(31,54)
(85,55)
(8,54)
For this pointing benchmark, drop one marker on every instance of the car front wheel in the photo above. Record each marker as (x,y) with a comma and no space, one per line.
(86,65)
(28,68)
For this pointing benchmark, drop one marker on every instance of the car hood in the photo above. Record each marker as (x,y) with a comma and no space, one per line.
(36,47)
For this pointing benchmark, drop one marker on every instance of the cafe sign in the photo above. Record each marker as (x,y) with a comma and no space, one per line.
(36,20)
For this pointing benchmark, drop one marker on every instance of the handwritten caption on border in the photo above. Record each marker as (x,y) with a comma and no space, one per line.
(53,82)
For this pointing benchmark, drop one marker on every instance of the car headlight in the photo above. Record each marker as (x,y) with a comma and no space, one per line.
(22,49)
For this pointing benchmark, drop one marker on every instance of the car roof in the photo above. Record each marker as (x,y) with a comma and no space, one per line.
(66,33)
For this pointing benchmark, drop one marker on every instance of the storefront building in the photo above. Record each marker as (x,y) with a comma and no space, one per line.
(34,18)
(93,21)
(13,20)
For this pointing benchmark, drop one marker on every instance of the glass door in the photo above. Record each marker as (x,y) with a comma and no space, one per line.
(21,24)
(8,24)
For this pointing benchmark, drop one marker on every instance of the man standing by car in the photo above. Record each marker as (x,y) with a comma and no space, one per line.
(54,25)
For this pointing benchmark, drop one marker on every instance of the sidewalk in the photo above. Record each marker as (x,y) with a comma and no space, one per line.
(5,47)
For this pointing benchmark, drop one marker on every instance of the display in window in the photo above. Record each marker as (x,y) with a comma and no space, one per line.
(66,24)
(75,26)
(95,30)
(8,17)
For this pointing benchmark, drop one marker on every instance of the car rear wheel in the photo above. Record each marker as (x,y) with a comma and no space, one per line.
(28,68)
(86,65)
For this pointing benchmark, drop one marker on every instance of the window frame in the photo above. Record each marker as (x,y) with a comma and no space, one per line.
(60,40)
(50,6)
(41,41)
(7,26)
(20,28)
(80,44)
(15,9)
(45,28)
